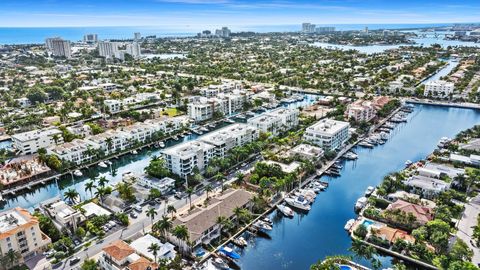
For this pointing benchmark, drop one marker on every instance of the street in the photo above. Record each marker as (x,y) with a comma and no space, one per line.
(466,224)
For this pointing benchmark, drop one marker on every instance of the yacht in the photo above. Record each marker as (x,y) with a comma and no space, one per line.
(175,137)
(162,144)
(108,162)
(228,252)
(308,192)
(228,120)
(219,263)
(365,144)
(408,163)
(309,198)
(350,156)
(211,125)
(298,202)
(286,211)
(349,224)
(361,203)
(204,129)
(102,164)
(262,225)
(77,173)
(134,152)
(369,191)
(240,242)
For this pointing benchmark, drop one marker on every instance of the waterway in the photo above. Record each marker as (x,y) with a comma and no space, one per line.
(442,72)
(299,242)
(126,163)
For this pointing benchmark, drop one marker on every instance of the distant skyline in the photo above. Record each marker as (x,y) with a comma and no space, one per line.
(194,15)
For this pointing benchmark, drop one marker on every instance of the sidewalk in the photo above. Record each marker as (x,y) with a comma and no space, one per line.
(466,223)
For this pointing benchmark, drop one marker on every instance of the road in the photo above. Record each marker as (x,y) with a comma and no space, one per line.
(466,223)
(142,224)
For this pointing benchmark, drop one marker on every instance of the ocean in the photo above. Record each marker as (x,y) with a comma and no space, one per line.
(35,35)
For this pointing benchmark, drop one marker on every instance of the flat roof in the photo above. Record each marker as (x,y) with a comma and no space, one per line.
(34,134)
(141,246)
(328,126)
(12,219)
(187,148)
(94,209)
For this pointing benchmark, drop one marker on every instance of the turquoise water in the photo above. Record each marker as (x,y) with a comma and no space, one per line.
(367,223)
(299,242)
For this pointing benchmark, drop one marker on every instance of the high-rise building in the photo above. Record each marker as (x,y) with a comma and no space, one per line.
(133,49)
(308,28)
(59,47)
(90,38)
(108,49)
(224,32)
(325,29)
(137,36)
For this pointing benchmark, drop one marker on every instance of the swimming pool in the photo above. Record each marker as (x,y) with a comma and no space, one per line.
(345,267)
(367,223)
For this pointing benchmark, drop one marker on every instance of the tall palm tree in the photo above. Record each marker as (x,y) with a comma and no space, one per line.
(171,210)
(11,258)
(101,192)
(151,213)
(208,189)
(102,181)
(71,194)
(154,248)
(219,178)
(181,232)
(109,142)
(164,225)
(189,193)
(89,186)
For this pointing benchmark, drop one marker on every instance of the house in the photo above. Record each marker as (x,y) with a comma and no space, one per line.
(427,186)
(92,209)
(63,214)
(202,224)
(423,214)
(307,151)
(20,231)
(393,235)
(116,256)
(140,245)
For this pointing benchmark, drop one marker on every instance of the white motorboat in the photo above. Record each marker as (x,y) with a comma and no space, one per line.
(240,241)
(408,163)
(102,164)
(369,191)
(134,152)
(175,137)
(228,120)
(108,162)
(307,197)
(262,225)
(361,203)
(350,156)
(219,263)
(314,188)
(349,224)
(77,173)
(308,192)
(267,220)
(286,211)
(162,144)
(298,202)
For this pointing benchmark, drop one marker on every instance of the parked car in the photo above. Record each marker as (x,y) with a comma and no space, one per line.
(178,195)
(76,242)
(133,215)
(74,260)
(158,200)
(138,208)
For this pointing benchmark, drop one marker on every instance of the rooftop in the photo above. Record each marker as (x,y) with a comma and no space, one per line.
(188,149)
(328,126)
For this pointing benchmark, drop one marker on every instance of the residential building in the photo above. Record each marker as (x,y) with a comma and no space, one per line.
(137,36)
(422,214)
(113,105)
(427,186)
(90,38)
(308,28)
(324,29)
(275,121)
(140,245)
(438,88)
(63,214)
(229,137)
(108,49)
(134,50)
(59,47)
(223,33)
(360,110)
(29,142)
(116,256)
(328,133)
(20,231)
(202,224)
(393,235)
(181,159)
(77,151)
(307,151)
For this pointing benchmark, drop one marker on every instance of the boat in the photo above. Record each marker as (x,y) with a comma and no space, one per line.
(408,163)
(240,242)
(337,166)
(298,202)
(308,192)
(350,156)
(307,197)
(228,120)
(285,210)
(262,226)
(369,191)
(250,113)
(134,152)
(228,251)
(314,188)
(156,145)
(219,263)
(175,137)
(108,162)
(365,144)
(162,144)
(267,220)
(204,129)
(361,203)
(211,125)
(349,224)
(102,164)
(241,116)
(77,173)
(443,141)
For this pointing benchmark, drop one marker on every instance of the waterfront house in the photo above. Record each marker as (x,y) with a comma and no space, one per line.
(29,142)
(140,245)
(92,209)
(20,231)
(65,215)
(77,151)
(423,214)
(307,151)
(427,186)
(22,169)
(202,222)
(328,133)
(360,110)
(392,235)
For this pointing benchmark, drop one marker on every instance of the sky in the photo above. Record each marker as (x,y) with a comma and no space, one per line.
(202,14)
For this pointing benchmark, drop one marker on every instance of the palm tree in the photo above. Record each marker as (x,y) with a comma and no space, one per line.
(171,210)
(151,213)
(89,186)
(163,225)
(11,258)
(109,142)
(101,192)
(102,181)
(181,232)
(56,138)
(208,189)
(219,178)
(154,248)
(71,194)
(189,193)
(239,177)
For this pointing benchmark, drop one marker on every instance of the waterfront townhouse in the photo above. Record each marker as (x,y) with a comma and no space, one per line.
(360,110)
(111,141)
(328,133)
(63,214)
(201,109)
(229,137)
(77,151)
(182,158)
(202,224)
(29,142)
(139,132)
(275,121)
(438,88)
(20,232)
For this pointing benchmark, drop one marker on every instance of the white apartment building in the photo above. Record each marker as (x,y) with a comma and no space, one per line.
(108,49)
(76,151)
(328,134)
(90,38)
(134,50)
(59,47)
(113,105)
(438,88)
(202,109)
(229,137)
(182,158)
(111,141)
(20,231)
(275,121)
(360,110)
(29,142)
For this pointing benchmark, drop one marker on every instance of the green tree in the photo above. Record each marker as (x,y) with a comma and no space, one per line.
(154,248)
(151,213)
(89,264)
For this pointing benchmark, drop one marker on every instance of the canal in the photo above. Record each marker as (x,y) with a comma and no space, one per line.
(126,163)
(299,242)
